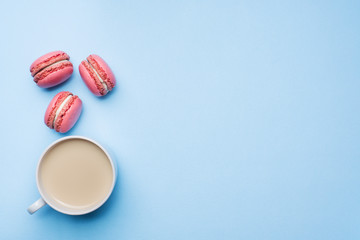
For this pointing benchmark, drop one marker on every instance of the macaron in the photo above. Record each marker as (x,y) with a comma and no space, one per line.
(97,75)
(51,69)
(63,111)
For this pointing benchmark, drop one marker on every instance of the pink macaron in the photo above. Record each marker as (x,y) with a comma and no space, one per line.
(97,75)
(63,111)
(51,69)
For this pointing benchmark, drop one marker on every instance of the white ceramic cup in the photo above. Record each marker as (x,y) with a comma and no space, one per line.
(55,205)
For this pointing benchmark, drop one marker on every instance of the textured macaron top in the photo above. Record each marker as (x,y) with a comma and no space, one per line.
(47,60)
(97,75)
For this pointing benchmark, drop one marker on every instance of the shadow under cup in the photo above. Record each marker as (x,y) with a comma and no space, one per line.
(75,175)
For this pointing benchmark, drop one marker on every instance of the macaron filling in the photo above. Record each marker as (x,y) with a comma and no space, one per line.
(49,66)
(60,108)
(47,60)
(98,76)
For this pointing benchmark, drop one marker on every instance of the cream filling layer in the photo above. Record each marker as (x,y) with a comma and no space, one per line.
(60,108)
(50,66)
(102,81)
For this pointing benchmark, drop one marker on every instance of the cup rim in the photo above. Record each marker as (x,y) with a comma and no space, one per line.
(75,212)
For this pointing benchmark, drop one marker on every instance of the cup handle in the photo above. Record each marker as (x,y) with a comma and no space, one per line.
(36,205)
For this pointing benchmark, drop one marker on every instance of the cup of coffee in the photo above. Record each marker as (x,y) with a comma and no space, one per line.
(75,175)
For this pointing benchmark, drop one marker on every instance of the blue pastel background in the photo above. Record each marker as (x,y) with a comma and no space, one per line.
(230,120)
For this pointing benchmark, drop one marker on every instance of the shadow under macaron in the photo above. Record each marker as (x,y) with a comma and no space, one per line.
(109,94)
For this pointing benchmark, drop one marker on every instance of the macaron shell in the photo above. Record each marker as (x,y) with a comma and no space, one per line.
(71,115)
(54,75)
(47,60)
(92,83)
(103,70)
(53,106)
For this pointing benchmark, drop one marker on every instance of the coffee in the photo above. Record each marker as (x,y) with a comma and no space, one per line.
(76,173)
